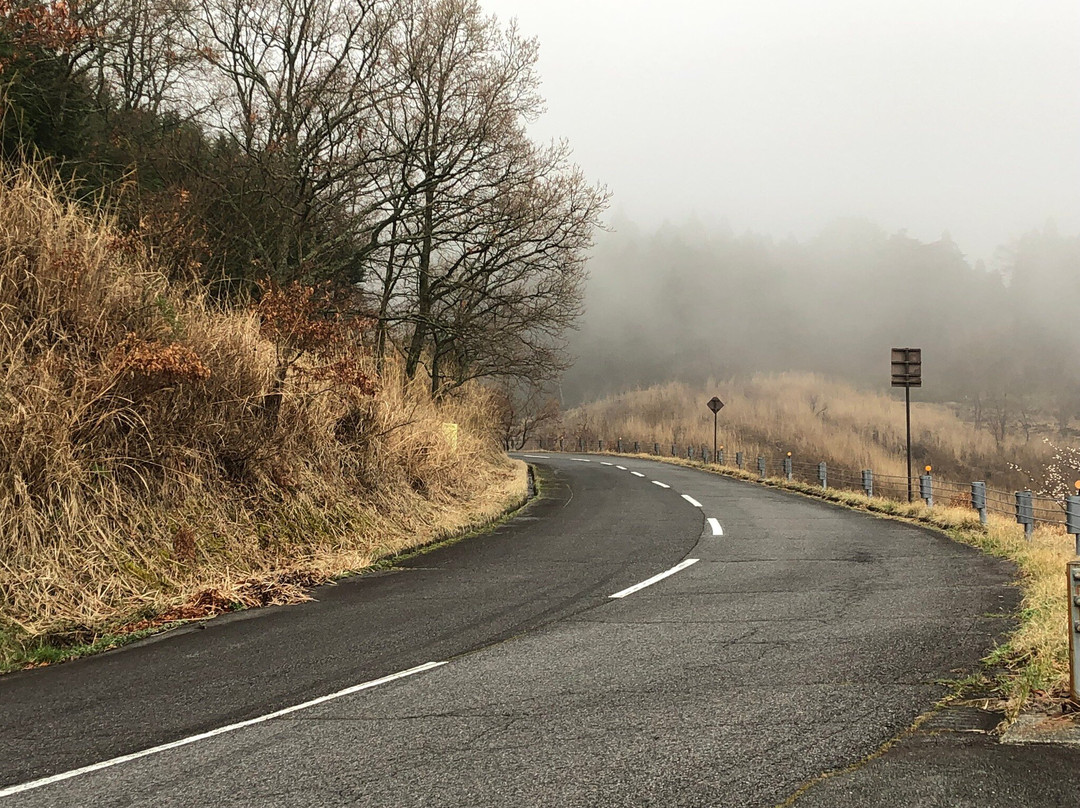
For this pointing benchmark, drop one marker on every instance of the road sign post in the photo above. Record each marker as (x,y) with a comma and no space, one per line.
(714,404)
(907,373)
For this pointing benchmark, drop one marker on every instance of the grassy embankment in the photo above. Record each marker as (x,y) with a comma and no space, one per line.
(826,420)
(163,459)
(815,418)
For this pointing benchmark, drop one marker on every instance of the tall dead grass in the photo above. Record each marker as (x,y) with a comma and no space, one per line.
(815,418)
(138,464)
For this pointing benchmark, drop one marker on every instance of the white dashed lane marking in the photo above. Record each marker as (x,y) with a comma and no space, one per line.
(637,587)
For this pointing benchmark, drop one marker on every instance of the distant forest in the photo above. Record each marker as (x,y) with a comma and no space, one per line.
(684,304)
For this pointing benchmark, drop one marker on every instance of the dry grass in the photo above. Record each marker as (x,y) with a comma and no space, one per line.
(140,468)
(815,418)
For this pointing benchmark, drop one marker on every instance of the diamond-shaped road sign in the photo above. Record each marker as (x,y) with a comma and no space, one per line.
(715,404)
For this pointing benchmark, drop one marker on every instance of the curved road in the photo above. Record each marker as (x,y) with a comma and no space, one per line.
(791,638)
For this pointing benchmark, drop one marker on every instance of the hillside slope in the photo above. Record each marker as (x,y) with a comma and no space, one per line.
(815,418)
(161,455)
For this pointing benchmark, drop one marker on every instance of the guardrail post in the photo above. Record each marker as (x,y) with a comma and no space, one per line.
(560,444)
(580,444)
(926,489)
(823,475)
(739,459)
(720,456)
(978,499)
(1073,571)
(789,469)
(1072,519)
(761,467)
(868,482)
(600,444)
(1025,512)
(656,449)
(618,446)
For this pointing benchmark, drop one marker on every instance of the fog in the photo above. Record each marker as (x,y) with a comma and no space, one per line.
(683,303)
(780,115)
(797,185)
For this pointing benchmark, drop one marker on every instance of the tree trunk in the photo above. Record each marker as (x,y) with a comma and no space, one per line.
(423,286)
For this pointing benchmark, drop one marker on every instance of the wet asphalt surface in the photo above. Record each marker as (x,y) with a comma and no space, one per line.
(802,639)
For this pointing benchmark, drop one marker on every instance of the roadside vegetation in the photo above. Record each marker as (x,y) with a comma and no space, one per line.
(269,272)
(164,458)
(815,418)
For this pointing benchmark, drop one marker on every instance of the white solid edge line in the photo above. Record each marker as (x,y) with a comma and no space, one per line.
(715,525)
(636,587)
(621,468)
(538,457)
(637,473)
(662,485)
(56,778)
(691,500)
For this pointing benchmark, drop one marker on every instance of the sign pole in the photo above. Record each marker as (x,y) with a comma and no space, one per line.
(907,408)
(714,404)
(714,416)
(907,373)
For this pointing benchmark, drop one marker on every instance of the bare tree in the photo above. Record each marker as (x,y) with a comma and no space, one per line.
(502,308)
(144,57)
(296,90)
(523,410)
(486,254)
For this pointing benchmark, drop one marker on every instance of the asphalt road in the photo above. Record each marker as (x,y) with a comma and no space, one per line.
(799,641)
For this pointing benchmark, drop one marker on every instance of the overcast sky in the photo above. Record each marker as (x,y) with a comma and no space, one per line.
(782,115)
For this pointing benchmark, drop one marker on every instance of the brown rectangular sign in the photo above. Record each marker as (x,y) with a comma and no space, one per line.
(907,367)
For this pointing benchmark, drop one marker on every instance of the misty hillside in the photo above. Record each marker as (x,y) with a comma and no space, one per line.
(684,304)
